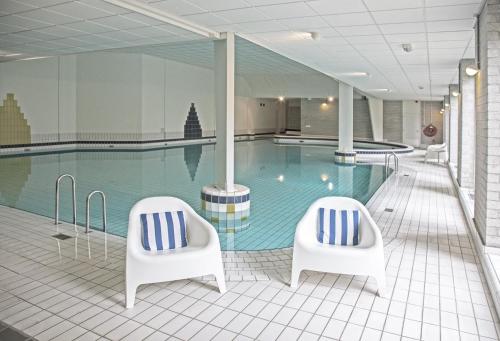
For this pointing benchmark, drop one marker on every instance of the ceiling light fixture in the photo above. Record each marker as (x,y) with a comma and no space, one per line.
(471,70)
(380,90)
(11,55)
(446,105)
(33,58)
(281,98)
(355,74)
(407,47)
(330,99)
(455,93)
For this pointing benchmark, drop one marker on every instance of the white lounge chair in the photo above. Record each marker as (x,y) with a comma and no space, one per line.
(201,256)
(366,258)
(437,148)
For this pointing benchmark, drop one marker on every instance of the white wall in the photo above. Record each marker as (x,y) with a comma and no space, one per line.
(35,85)
(186,84)
(109,96)
(67,98)
(153,98)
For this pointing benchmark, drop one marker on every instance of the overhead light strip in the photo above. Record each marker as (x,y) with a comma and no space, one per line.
(165,17)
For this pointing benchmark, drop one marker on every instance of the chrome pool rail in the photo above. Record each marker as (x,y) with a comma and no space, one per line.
(73,182)
(388,161)
(103,197)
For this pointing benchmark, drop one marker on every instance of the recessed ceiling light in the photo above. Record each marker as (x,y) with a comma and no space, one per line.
(281,98)
(455,93)
(11,55)
(33,58)
(380,90)
(355,74)
(446,105)
(330,98)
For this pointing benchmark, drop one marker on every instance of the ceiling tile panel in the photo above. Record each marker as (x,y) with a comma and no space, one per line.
(349,19)
(80,10)
(289,10)
(178,7)
(243,15)
(324,7)
(399,16)
(381,5)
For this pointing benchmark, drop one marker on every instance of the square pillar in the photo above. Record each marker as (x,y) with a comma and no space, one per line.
(466,126)
(453,124)
(345,152)
(224,111)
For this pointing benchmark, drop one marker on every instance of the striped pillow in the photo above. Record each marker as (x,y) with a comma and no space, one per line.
(338,227)
(163,231)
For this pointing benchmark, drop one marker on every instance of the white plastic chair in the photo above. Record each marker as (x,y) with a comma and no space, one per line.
(202,255)
(366,258)
(437,148)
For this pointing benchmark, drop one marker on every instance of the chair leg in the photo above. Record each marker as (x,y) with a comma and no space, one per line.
(221,280)
(130,290)
(294,279)
(380,279)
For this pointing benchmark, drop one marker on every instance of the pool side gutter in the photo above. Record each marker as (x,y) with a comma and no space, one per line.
(397,148)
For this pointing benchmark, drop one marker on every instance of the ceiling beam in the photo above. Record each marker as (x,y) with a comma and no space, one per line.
(165,17)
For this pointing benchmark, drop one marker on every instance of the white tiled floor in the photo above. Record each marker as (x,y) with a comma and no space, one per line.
(52,290)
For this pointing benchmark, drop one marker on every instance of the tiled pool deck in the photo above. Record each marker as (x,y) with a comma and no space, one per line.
(65,290)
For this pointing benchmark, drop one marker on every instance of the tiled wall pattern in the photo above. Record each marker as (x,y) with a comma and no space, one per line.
(393,121)
(361,117)
(319,117)
(192,127)
(466,127)
(293,114)
(14,128)
(487,189)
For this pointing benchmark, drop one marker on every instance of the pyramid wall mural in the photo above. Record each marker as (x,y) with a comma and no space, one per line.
(14,128)
(192,128)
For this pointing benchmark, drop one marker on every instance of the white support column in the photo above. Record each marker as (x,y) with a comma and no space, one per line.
(453,148)
(224,111)
(225,204)
(466,126)
(345,152)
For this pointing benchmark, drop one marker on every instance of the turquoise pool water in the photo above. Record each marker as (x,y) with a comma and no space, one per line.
(283,179)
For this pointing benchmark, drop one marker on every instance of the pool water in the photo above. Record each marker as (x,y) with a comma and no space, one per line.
(284,180)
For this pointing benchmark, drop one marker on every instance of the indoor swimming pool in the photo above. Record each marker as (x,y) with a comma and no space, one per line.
(284,180)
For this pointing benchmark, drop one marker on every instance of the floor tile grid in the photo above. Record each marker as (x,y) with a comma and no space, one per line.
(438,244)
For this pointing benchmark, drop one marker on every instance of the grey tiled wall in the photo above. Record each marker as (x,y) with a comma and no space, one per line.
(393,121)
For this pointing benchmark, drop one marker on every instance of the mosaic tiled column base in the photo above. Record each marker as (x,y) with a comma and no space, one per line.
(229,212)
(345,157)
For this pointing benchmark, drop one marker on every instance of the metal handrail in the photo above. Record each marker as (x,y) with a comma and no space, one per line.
(388,161)
(57,197)
(103,196)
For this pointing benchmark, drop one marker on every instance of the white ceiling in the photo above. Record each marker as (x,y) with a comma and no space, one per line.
(356,35)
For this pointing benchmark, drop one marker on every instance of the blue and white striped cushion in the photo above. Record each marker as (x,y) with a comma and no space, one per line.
(338,227)
(163,231)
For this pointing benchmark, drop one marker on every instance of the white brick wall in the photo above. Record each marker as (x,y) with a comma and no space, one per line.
(453,125)
(466,126)
(487,184)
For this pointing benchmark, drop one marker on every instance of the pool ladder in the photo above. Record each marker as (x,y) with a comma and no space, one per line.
(388,161)
(89,197)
